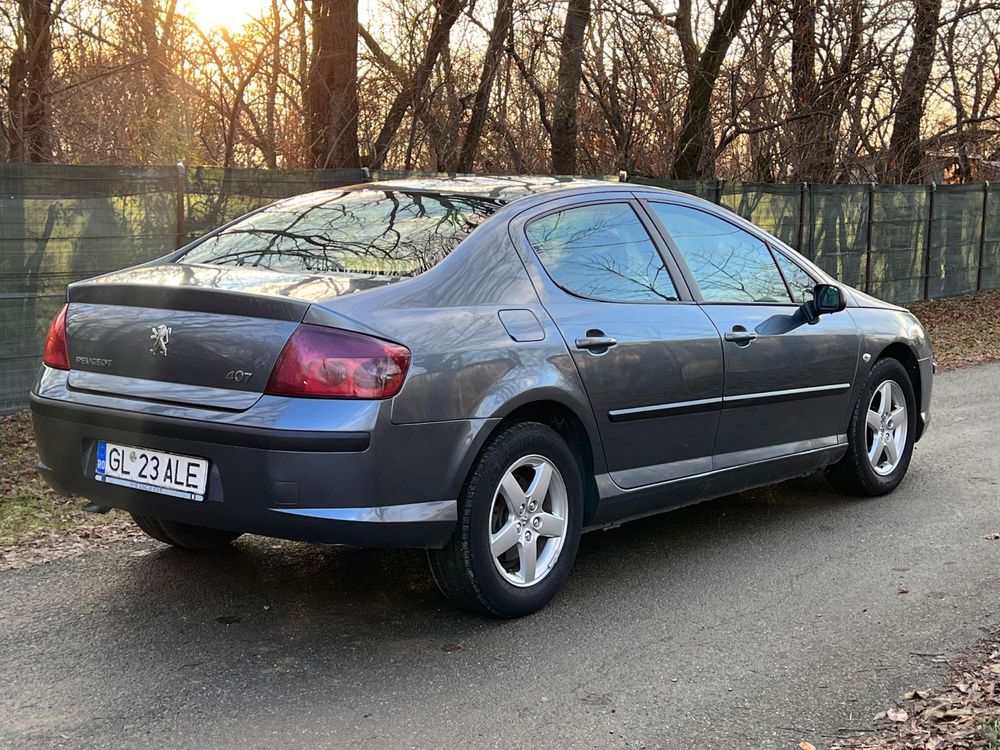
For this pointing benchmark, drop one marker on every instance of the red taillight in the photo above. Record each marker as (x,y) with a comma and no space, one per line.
(56,354)
(323,362)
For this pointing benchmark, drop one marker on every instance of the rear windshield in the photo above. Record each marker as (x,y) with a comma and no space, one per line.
(359,233)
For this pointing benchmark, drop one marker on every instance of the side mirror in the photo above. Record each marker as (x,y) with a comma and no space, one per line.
(827,298)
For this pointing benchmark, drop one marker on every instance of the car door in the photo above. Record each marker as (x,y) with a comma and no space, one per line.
(648,356)
(788,381)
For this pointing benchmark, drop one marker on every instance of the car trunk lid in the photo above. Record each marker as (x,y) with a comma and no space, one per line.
(196,335)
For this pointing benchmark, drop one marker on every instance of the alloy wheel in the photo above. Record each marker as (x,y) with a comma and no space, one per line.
(528,520)
(886,428)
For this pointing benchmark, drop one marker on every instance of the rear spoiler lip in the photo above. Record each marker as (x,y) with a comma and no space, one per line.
(189,298)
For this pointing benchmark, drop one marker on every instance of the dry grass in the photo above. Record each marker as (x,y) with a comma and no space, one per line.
(28,506)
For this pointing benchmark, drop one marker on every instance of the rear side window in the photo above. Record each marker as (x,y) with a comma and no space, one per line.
(601,252)
(374,234)
(728,264)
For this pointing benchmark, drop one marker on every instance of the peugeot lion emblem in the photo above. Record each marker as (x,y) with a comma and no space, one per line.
(160,338)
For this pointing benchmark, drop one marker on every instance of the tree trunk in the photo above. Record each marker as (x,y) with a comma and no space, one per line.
(691,161)
(804,89)
(30,131)
(157,129)
(444,18)
(905,152)
(332,93)
(491,62)
(568,87)
(269,147)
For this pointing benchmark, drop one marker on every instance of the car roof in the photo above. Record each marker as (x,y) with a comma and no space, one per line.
(502,189)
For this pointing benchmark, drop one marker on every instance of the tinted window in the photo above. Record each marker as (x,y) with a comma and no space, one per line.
(728,264)
(800,284)
(361,234)
(601,252)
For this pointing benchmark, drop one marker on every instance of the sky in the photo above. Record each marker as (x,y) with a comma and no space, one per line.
(228,14)
(233,14)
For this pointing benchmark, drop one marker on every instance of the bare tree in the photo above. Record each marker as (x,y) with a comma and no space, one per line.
(564,125)
(820,100)
(332,92)
(29,132)
(905,152)
(502,24)
(703,72)
(445,15)
(817,90)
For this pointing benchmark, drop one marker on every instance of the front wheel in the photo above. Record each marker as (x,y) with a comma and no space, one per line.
(880,435)
(183,535)
(518,531)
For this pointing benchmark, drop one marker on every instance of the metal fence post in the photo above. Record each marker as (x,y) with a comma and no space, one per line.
(803,189)
(982,237)
(812,224)
(180,188)
(931,190)
(868,237)
(718,190)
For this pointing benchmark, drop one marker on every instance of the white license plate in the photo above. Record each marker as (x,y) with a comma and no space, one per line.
(153,471)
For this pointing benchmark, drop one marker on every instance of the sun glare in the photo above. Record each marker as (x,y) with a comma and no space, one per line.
(222,14)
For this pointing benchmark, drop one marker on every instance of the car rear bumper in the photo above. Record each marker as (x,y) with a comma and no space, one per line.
(324,486)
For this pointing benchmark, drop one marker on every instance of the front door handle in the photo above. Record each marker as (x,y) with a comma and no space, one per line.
(740,336)
(596,342)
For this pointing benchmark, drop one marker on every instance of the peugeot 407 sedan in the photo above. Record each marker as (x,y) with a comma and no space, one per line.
(484,368)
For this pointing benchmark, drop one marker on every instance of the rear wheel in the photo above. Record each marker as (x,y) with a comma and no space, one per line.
(182,534)
(880,435)
(519,521)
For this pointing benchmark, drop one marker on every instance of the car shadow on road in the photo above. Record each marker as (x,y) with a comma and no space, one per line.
(296,619)
(311,583)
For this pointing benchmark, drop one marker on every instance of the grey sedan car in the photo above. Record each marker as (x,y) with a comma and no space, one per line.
(484,368)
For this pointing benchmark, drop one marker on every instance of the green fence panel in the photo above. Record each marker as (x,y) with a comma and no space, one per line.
(956,235)
(990,273)
(707,189)
(774,208)
(63,223)
(899,241)
(837,234)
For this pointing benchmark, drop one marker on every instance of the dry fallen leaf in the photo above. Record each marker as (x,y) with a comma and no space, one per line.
(896,714)
(806,746)
(916,695)
(993,537)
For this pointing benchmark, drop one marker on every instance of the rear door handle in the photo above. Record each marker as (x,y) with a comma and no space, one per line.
(740,337)
(596,343)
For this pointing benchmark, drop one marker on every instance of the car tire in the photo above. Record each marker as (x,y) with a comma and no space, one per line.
(503,502)
(859,472)
(183,535)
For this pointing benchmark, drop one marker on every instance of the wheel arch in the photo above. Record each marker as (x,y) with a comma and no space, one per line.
(904,354)
(576,428)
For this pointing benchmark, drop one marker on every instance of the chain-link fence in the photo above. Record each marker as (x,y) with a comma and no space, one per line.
(61,223)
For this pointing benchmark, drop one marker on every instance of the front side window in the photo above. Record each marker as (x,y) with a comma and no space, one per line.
(727,263)
(800,283)
(601,252)
(377,234)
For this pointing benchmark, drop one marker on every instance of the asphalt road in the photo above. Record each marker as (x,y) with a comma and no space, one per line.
(753,621)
